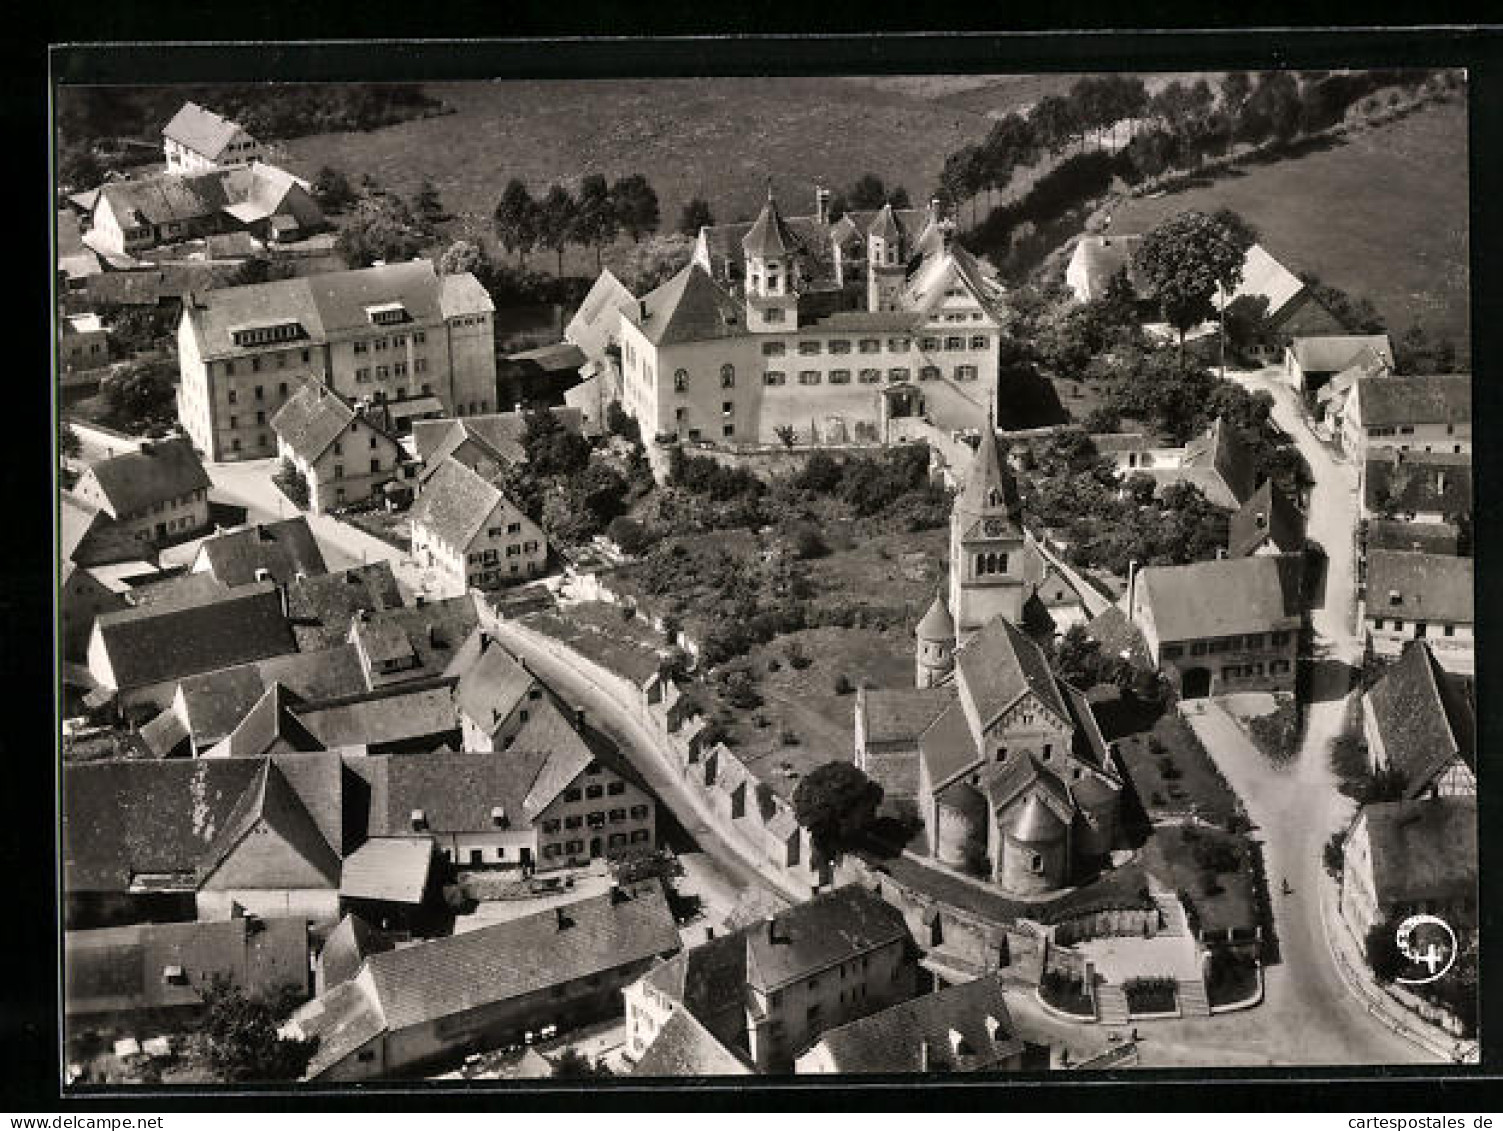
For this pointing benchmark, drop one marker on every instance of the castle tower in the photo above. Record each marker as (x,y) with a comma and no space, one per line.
(772,282)
(987,543)
(934,655)
(885,262)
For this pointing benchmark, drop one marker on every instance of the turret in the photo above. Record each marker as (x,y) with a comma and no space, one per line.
(935,649)
(772,282)
(885,261)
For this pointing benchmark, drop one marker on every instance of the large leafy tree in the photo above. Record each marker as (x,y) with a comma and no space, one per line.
(1184,260)
(464,257)
(516,220)
(558,222)
(140,394)
(332,190)
(242,1039)
(383,228)
(636,206)
(595,220)
(868,193)
(836,802)
(1055,121)
(696,215)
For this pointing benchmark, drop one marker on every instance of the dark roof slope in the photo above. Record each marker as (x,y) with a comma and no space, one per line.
(457,791)
(271,801)
(284,549)
(1223,451)
(161,470)
(321,606)
(1268,516)
(151,645)
(1000,664)
(823,932)
(963,1028)
(312,419)
(347,947)
(1392,401)
(216,702)
(1423,850)
(1409,483)
(685,1048)
(1414,537)
(1425,716)
(455,504)
(902,714)
(1420,586)
(689,307)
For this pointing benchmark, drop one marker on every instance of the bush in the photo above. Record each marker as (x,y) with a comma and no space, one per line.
(798,660)
(1382,951)
(843,684)
(292,483)
(809,543)
(630,535)
(1150,994)
(1333,856)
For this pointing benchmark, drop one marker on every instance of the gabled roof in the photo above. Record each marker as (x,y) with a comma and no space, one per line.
(1425,716)
(948,747)
(997,667)
(690,307)
(1423,851)
(201,130)
(1394,401)
(1101,257)
(596,324)
(885,226)
(1089,745)
(269,727)
(1415,537)
(163,735)
(121,969)
(920,1035)
(383,717)
(455,504)
(493,686)
(342,1020)
(1428,587)
(1411,482)
(1331,353)
(1223,451)
(348,945)
(215,703)
(391,869)
(1263,276)
(457,791)
(160,470)
(435,630)
(683,1048)
(314,417)
(321,606)
(900,714)
(272,802)
(284,549)
(557,947)
(1192,602)
(1268,516)
(151,645)
(823,932)
(569,755)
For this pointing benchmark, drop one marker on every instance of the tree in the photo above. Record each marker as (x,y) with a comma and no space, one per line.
(332,191)
(77,166)
(696,215)
(1055,122)
(574,1065)
(1184,260)
(558,222)
(1237,229)
(635,205)
(868,193)
(243,1044)
(68,443)
(1416,353)
(1235,87)
(140,393)
(1077,658)
(426,207)
(464,257)
(1274,107)
(630,535)
(836,802)
(291,482)
(382,228)
(1382,950)
(1333,855)
(595,220)
(646,265)
(516,220)
(551,448)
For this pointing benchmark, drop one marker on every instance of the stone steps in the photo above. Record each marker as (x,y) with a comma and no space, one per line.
(1172,916)
(1111,1005)
(1193,1001)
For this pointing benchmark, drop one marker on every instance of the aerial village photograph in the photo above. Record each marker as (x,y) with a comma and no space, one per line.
(759,577)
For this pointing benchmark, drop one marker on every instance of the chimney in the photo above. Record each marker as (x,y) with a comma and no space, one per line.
(777,933)
(263,574)
(498,816)
(934,208)
(420,601)
(579,717)
(432,635)
(822,204)
(992,1026)
(418,819)
(923,1055)
(957,1042)
(564,922)
(1261,520)
(709,933)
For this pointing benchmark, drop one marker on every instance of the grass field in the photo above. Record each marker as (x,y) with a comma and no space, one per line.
(716,138)
(1383,213)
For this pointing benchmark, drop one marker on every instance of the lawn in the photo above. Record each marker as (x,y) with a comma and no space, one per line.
(1174,856)
(1174,777)
(716,138)
(1348,213)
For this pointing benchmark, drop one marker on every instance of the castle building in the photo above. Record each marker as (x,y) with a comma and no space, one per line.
(832,330)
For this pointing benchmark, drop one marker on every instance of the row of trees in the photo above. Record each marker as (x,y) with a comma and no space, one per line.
(594,218)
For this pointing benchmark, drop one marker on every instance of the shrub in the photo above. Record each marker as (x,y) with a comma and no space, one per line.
(788,737)
(1149,994)
(809,543)
(798,660)
(292,483)
(629,534)
(843,684)
(1333,856)
(1382,951)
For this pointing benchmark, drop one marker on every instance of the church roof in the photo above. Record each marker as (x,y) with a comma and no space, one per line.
(937,624)
(770,236)
(990,487)
(1000,665)
(1036,823)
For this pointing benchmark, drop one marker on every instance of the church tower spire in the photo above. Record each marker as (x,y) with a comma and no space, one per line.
(988,545)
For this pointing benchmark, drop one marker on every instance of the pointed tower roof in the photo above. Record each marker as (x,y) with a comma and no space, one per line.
(770,236)
(937,624)
(886,226)
(990,489)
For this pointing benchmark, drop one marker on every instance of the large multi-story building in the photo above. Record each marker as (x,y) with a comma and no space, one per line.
(401,337)
(828,330)
(197,139)
(156,494)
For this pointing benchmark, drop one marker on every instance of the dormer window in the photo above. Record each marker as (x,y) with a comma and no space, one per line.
(498,816)
(387,314)
(419,820)
(1394,598)
(174,975)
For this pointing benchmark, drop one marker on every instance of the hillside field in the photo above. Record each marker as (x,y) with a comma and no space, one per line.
(1383,213)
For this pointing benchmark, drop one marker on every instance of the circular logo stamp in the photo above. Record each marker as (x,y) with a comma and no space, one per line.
(1429,946)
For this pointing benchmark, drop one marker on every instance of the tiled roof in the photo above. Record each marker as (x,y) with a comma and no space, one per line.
(1268,515)
(1423,850)
(1334,352)
(1036,823)
(920,1035)
(557,947)
(271,801)
(121,969)
(1101,257)
(948,747)
(342,1020)
(463,294)
(382,717)
(164,734)
(321,606)
(216,702)
(455,505)
(436,630)
(1223,451)
(690,307)
(177,592)
(269,727)
(162,470)
(989,476)
(1415,537)
(1263,276)
(548,730)
(148,645)
(823,932)
(684,1048)
(1393,401)
(347,947)
(937,623)
(75,520)
(393,869)
(493,686)
(1425,716)
(998,666)
(895,714)
(457,791)
(1191,602)
(312,419)
(1089,745)
(596,324)
(1428,587)
(165,199)
(284,549)
(769,235)
(1411,482)
(201,130)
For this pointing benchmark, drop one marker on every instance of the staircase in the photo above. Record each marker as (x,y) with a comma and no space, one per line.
(1192,999)
(1111,1004)
(1171,916)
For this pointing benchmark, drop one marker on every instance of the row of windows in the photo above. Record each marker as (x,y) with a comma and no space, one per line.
(874,345)
(262,440)
(375,469)
(172,525)
(255,362)
(233,396)
(727,378)
(594,819)
(168,504)
(397,341)
(469,320)
(1243,671)
(515,550)
(575,847)
(1228,644)
(339,446)
(1421,628)
(235,420)
(396,369)
(775,377)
